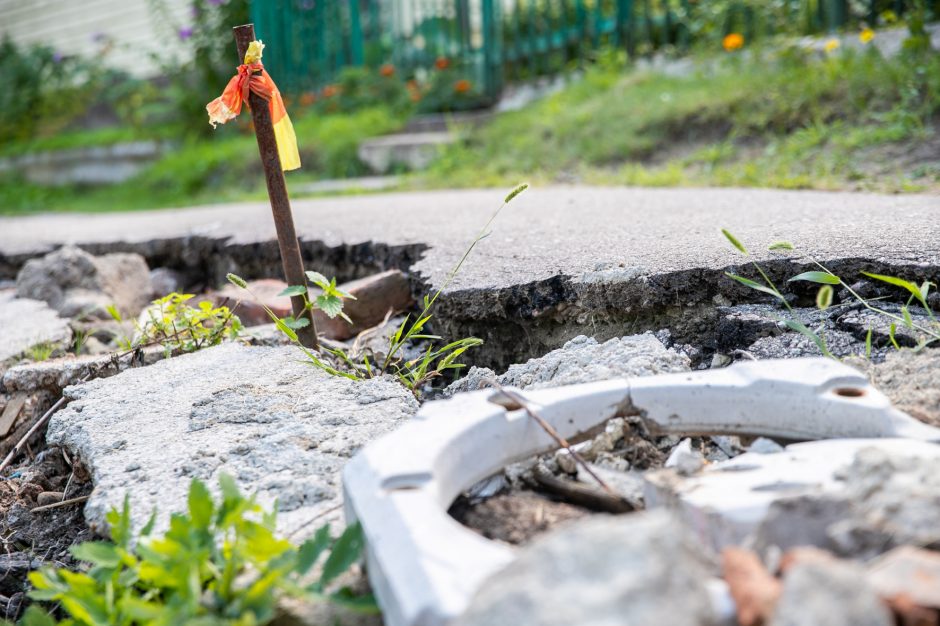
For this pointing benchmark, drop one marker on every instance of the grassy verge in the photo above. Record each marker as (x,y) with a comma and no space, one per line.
(791,119)
(222,168)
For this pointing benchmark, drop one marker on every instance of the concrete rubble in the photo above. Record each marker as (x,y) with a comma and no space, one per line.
(25,323)
(856,498)
(583,360)
(911,380)
(76,283)
(645,569)
(829,592)
(281,428)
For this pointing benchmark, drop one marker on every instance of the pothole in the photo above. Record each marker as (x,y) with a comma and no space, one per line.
(698,318)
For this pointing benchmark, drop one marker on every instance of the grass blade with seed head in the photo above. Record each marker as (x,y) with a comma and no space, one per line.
(734,241)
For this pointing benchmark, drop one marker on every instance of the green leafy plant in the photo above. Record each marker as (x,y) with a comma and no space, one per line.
(413,373)
(41,351)
(928,332)
(45,89)
(179,327)
(219,563)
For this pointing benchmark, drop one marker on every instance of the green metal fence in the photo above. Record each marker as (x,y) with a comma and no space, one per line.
(310,41)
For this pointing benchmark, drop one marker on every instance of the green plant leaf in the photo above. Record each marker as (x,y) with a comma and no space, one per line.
(734,241)
(114,313)
(318,279)
(34,616)
(120,523)
(287,330)
(329,304)
(780,245)
(908,320)
(293,290)
(296,324)
(228,487)
(346,551)
(817,277)
(900,282)
(97,553)
(891,332)
(747,282)
(824,297)
(200,503)
(310,550)
(868,343)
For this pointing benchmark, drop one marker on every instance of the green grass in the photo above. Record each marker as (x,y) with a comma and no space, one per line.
(224,167)
(785,118)
(82,139)
(789,119)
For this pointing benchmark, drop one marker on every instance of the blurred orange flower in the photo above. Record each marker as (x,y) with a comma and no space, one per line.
(387,70)
(330,90)
(415,96)
(442,63)
(412,85)
(732,42)
(307,98)
(462,86)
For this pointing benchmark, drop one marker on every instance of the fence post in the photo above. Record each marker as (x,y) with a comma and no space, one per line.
(625,25)
(355,33)
(491,62)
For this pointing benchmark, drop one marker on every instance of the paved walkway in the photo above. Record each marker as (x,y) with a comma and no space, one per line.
(587,233)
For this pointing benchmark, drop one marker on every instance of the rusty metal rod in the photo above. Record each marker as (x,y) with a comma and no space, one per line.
(277,192)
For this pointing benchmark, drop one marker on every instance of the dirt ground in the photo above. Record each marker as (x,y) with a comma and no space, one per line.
(33,538)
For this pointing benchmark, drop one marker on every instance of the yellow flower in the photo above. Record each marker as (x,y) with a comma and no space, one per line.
(253,54)
(732,42)
(866,35)
(831,46)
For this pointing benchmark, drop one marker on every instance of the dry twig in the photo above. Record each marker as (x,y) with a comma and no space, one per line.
(524,404)
(56,505)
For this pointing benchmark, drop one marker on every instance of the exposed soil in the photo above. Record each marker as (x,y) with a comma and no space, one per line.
(516,517)
(33,539)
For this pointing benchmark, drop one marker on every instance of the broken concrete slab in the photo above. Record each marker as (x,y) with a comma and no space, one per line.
(54,375)
(633,260)
(583,360)
(829,592)
(854,497)
(911,379)
(893,498)
(25,323)
(639,569)
(283,429)
(907,571)
(78,284)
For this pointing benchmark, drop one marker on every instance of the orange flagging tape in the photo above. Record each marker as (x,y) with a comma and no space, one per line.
(251,76)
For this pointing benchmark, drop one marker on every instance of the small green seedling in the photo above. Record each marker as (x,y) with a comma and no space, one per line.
(179,327)
(917,294)
(414,373)
(219,563)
